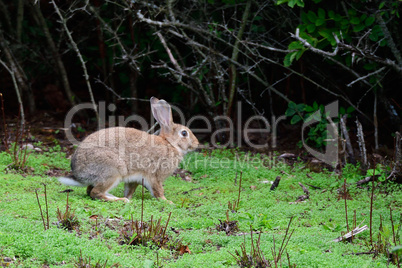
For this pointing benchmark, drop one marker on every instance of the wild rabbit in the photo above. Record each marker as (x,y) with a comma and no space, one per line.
(114,155)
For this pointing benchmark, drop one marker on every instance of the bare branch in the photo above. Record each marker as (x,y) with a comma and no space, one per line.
(366,76)
(126,55)
(97,80)
(56,55)
(76,49)
(17,90)
(316,50)
(169,52)
(268,48)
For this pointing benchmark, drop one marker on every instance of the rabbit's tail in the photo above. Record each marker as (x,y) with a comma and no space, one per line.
(70,180)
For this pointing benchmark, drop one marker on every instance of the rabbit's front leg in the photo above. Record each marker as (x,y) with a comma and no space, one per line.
(158,192)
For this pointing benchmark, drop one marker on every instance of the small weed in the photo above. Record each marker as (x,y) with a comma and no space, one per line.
(67,220)
(256,258)
(233,207)
(152,234)
(18,153)
(45,224)
(333,227)
(388,240)
(83,262)
(229,227)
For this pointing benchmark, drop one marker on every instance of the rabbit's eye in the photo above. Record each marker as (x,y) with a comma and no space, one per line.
(184,133)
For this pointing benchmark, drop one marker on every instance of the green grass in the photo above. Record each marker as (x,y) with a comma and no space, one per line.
(197,208)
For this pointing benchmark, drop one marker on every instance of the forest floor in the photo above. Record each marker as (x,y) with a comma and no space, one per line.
(223,207)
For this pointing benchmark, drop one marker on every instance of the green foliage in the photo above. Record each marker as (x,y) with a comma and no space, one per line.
(23,240)
(291,3)
(296,111)
(319,26)
(83,262)
(380,171)
(333,227)
(67,219)
(39,164)
(388,239)
(317,133)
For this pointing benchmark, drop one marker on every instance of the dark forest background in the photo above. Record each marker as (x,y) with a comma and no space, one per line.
(277,57)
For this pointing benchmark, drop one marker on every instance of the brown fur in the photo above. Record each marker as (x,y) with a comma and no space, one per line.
(114,155)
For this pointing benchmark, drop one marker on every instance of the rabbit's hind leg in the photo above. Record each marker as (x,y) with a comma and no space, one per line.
(129,189)
(100,190)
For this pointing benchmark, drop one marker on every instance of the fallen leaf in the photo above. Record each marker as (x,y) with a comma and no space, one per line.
(252,187)
(183,249)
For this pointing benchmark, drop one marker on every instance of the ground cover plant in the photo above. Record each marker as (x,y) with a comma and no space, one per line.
(189,232)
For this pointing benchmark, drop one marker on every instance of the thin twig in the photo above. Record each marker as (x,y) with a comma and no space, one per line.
(142,209)
(47,208)
(282,248)
(40,208)
(316,50)
(238,197)
(371,205)
(77,51)
(167,222)
(17,90)
(366,76)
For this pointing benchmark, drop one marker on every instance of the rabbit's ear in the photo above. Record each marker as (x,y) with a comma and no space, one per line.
(163,114)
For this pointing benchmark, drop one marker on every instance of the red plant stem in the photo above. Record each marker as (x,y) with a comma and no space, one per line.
(40,208)
(371,205)
(392,225)
(170,213)
(346,205)
(150,226)
(47,208)
(344,197)
(142,203)
(281,249)
(393,234)
(252,242)
(238,198)
(274,252)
